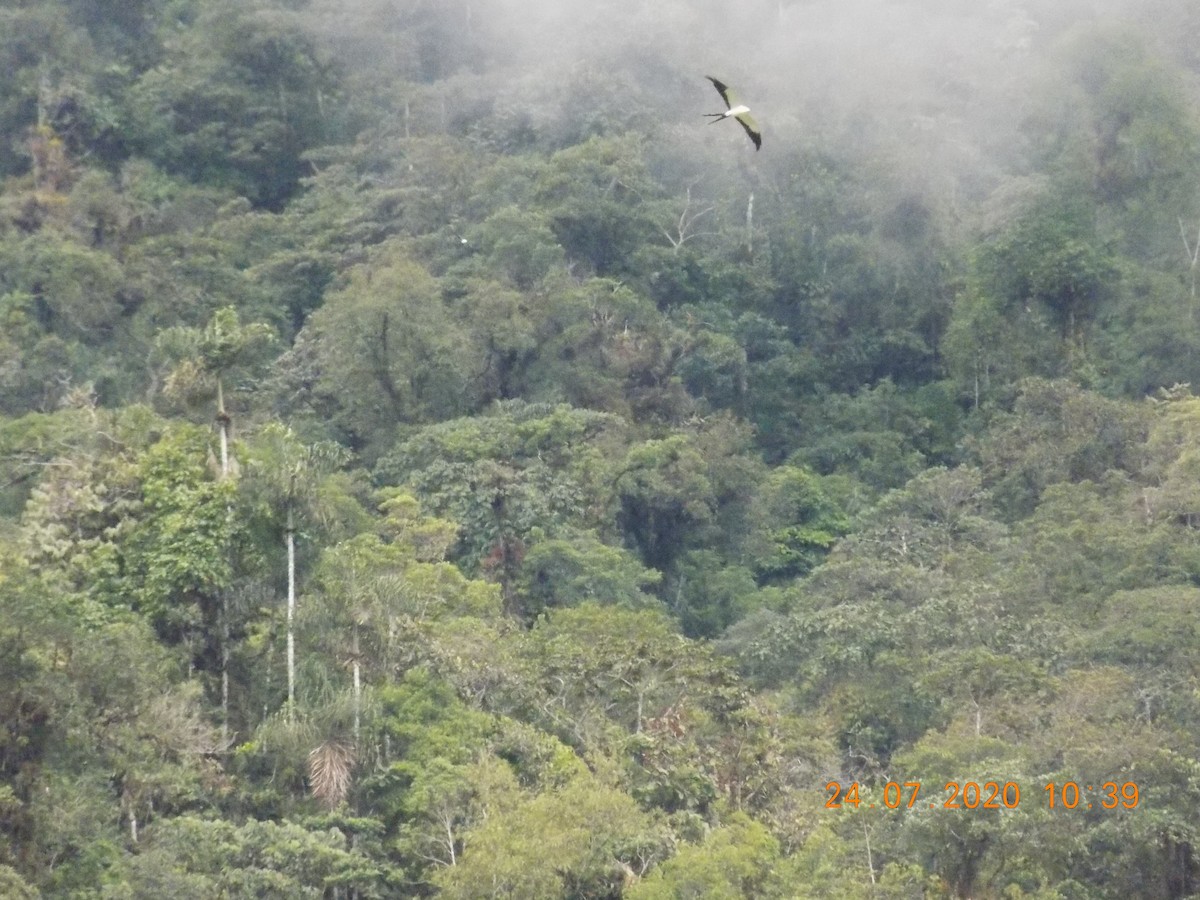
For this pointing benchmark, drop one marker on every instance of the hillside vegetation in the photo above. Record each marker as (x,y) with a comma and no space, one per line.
(436,463)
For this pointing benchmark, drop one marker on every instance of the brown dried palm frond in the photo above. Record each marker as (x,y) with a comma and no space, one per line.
(329,766)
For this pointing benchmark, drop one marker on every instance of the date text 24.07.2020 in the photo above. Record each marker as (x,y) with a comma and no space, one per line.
(985,795)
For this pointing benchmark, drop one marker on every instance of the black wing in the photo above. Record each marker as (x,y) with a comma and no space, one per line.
(722,90)
(755,135)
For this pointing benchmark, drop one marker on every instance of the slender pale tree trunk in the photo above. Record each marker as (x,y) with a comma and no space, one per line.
(224,668)
(357,669)
(223,422)
(750,224)
(291,612)
(223,428)
(131,807)
(870,857)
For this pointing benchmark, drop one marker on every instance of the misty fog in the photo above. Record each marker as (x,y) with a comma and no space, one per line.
(934,92)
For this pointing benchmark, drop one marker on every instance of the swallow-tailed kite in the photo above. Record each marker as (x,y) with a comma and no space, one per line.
(735,110)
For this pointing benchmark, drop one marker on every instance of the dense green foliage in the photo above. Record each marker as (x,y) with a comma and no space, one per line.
(435,464)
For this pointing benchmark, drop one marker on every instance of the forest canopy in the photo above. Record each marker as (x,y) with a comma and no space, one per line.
(435,463)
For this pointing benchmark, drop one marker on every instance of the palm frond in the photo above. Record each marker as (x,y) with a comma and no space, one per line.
(329,766)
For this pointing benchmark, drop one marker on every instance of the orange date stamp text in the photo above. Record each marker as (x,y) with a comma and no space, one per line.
(982,795)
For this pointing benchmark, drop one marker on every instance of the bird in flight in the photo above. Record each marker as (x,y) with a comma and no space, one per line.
(735,110)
